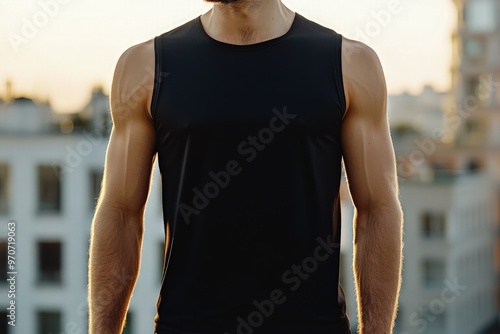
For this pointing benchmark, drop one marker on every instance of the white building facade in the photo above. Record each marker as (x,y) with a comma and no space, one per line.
(49,183)
(448,278)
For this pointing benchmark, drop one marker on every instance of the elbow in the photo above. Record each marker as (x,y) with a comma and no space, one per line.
(380,216)
(124,209)
(390,208)
(115,216)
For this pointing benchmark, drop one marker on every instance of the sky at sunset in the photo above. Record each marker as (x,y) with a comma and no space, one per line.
(59,49)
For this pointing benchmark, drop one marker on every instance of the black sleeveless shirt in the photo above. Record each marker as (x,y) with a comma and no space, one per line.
(248,143)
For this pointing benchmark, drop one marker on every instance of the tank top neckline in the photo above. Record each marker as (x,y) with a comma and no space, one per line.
(245,47)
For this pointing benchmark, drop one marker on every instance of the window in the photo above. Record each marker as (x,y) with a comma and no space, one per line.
(95,186)
(129,325)
(471,87)
(433,272)
(3,262)
(4,188)
(49,262)
(477,92)
(474,50)
(433,225)
(471,127)
(479,16)
(49,189)
(49,322)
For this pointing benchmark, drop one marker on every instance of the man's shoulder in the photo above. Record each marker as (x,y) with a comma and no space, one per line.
(360,61)
(358,53)
(137,52)
(137,60)
(133,79)
(363,76)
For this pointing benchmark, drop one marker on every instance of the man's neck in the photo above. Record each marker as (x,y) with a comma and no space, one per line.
(248,21)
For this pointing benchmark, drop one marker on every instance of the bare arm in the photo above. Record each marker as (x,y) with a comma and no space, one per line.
(117,227)
(371,171)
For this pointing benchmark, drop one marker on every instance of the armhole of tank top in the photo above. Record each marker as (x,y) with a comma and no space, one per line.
(157,78)
(341,77)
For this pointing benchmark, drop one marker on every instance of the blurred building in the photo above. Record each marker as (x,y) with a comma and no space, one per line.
(448,282)
(50,174)
(474,122)
(449,171)
(476,77)
(422,113)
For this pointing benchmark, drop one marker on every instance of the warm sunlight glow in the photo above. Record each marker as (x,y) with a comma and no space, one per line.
(58,50)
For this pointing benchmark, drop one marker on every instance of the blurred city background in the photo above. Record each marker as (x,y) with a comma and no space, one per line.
(442,63)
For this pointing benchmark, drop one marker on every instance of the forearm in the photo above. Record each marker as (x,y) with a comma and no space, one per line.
(377,267)
(113,268)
